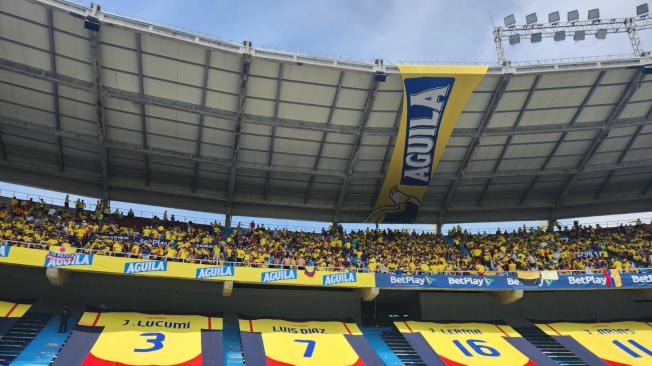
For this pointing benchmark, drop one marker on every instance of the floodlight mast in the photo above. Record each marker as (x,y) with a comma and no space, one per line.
(584,28)
(500,50)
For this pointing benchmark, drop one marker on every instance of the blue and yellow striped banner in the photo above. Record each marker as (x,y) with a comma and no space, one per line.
(433,99)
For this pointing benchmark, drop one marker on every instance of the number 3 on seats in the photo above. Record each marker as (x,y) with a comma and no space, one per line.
(310,346)
(156,339)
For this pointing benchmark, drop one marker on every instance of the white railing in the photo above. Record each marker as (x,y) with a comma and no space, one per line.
(54,201)
(603,224)
(303,228)
(297,267)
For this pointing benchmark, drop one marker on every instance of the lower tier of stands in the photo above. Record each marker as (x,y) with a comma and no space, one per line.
(101,337)
(128,319)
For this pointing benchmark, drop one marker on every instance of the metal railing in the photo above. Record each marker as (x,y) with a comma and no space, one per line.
(8,193)
(487,273)
(53,201)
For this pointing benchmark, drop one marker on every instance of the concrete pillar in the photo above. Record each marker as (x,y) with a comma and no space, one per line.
(56,276)
(227,221)
(369,293)
(507,297)
(550,224)
(438,225)
(227,288)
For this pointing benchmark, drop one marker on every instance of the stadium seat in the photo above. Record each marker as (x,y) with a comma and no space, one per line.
(18,327)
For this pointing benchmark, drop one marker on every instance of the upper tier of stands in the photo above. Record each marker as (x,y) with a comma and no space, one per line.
(626,248)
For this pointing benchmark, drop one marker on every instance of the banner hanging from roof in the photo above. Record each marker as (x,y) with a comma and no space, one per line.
(433,99)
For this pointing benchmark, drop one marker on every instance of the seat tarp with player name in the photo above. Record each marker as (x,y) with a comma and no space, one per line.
(276,342)
(127,338)
(625,343)
(470,344)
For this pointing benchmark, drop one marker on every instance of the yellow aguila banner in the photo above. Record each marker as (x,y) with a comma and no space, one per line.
(433,99)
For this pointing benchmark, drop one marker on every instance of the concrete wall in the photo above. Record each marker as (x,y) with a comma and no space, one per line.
(151,294)
(557,305)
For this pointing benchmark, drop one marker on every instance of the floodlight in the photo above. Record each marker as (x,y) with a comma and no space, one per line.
(92,23)
(535,37)
(642,9)
(579,35)
(553,17)
(510,20)
(601,33)
(594,14)
(560,35)
(573,15)
(514,39)
(531,18)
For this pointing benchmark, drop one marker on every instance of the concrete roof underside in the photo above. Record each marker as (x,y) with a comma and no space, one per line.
(142,113)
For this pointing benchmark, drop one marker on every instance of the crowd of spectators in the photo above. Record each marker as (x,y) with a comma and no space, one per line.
(109,232)
(579,248)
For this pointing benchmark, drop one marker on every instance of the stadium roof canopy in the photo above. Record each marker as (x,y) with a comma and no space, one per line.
(143,113)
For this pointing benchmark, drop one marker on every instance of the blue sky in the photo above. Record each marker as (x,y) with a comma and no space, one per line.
(394,30)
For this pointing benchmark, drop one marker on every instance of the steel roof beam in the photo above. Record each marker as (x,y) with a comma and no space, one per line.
(484,122)
(329,121)
(647,188)
(622,155)
(270,154)
(200,129)
(369,102)
(143,120)
(305,125)
(281,56)
(96,62)
(3,150)
(519,117)
(563,135)
(113,144)
(137,148)
(546,129)
(55,87)
(629,91)
(246,62)
(387,157)
(42,74)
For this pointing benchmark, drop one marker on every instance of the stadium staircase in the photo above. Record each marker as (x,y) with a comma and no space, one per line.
(47,344)
(232,345)
(21,335)
(374,336)
(549,346)
(400,347)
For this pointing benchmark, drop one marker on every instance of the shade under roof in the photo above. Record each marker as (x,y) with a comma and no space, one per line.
(142,113)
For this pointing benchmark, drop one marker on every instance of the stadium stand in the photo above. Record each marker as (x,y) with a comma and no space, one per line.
(105,106)
(577,248)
